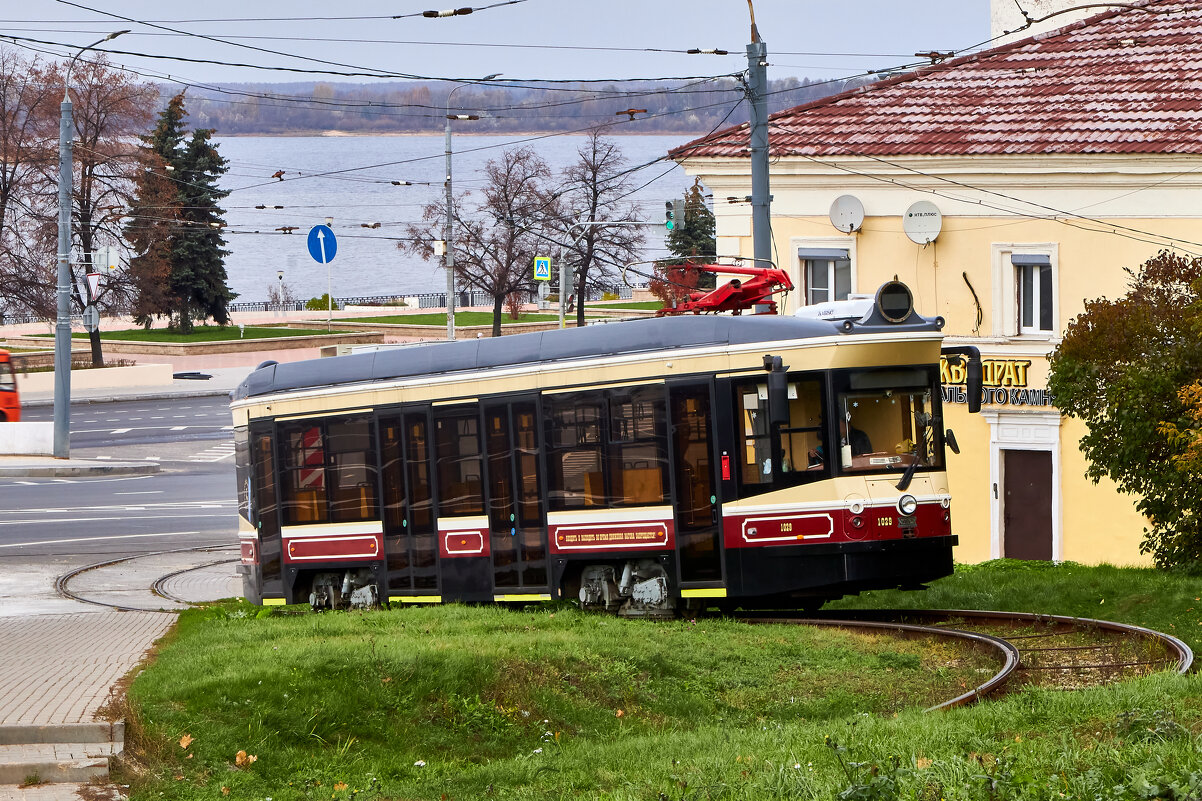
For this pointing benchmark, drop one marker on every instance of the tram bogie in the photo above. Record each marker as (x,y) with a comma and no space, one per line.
(644,469)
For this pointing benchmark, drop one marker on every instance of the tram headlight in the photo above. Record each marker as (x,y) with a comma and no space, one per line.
(907,505)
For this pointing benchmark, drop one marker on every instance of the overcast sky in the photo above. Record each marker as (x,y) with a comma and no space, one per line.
(551,39)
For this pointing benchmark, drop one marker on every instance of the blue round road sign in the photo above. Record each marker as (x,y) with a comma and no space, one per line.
(322,244)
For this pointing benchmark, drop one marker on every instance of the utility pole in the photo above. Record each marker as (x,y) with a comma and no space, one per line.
(448,231)
(62,325)
(757,98)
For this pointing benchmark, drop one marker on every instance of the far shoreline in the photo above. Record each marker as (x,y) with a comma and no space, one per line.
(337,134)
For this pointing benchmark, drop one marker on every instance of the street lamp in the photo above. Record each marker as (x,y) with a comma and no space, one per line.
(448,231)
(280,275)
(62,327)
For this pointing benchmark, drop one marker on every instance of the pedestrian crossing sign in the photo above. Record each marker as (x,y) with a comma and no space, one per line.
(542,268)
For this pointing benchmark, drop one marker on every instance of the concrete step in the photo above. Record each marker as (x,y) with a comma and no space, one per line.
(55,762)
(64,733)
(64,792)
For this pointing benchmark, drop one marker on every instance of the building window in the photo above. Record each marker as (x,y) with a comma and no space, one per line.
(827,274)
(1035,302)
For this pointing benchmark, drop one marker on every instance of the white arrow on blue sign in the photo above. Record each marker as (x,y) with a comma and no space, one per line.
(322,244)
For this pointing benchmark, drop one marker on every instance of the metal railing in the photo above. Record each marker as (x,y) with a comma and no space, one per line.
(420,300)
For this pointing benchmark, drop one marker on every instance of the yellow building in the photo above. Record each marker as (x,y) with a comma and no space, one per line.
(1005,188)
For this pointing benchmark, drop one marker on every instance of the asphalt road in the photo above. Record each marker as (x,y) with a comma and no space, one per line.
(109,428)
(191,502)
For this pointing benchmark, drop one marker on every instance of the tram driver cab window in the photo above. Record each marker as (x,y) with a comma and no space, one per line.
(888,420)
(794,453)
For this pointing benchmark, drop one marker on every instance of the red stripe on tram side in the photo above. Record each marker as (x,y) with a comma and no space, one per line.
(368,547)
(454,543)
(775,528)
(649,535)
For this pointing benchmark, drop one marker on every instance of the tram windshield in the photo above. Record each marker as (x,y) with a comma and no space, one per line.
(888,420)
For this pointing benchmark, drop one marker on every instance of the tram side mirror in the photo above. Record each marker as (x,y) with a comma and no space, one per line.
(778,398)
(975,383)
(949,437)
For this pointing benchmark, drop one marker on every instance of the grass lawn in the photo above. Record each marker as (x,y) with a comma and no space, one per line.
(461,319)
(201,333)
(550,703)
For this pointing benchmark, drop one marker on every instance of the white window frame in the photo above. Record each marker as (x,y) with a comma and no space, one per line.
(797,270)
(1007,309)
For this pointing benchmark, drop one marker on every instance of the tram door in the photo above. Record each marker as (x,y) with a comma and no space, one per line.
(266,508)
(697,530)
(517,518)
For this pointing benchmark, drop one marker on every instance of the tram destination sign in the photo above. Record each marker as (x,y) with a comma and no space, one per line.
(1005,383)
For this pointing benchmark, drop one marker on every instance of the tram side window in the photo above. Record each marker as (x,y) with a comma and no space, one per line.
(352,470)
(303,473)
(242,470)
(637,432)
(797,454)
(457,447)
(574,447)
(329,471)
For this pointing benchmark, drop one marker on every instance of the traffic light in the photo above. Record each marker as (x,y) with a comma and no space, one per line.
(673,214)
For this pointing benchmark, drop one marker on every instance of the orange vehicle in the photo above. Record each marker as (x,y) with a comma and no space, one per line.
(10,402)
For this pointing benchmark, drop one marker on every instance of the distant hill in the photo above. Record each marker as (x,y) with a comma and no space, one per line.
(420,107)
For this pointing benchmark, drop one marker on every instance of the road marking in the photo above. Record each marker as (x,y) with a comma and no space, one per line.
(100,520)
(100,539)
(223,450)
(157,418)
(141,492)
(121,430)
(102,457)
(178,428)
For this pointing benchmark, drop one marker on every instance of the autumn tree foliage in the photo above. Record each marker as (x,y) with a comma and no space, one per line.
(1129,368)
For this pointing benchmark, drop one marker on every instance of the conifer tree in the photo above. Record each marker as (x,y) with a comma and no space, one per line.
(175,228)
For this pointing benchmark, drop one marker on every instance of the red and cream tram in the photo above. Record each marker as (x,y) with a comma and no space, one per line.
(642,467)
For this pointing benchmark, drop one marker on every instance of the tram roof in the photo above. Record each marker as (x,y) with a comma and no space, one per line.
(590,342)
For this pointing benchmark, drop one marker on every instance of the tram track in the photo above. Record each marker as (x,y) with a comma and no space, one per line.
(1036,650)
(1032,649)
(153,586)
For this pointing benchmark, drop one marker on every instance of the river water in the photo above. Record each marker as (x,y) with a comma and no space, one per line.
(367,260)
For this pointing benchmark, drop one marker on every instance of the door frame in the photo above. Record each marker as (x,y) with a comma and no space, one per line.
(1022,431)
(709,385)
(507,402)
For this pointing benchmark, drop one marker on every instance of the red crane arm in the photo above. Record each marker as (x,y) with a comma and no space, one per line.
(735,295)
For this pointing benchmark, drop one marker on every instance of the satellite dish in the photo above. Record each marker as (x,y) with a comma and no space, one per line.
(922,222)
(847,213)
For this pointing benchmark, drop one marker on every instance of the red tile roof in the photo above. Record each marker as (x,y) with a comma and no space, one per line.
(1124,81)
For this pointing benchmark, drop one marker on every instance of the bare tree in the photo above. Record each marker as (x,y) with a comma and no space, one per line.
(497,236)
(27,106)
(595,189)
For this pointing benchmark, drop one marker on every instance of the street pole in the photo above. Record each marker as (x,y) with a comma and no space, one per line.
(761,197)
(448,229)
(62,325)
(329,280)
(449,256)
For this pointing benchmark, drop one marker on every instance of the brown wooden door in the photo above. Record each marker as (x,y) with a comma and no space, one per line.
(1027,516)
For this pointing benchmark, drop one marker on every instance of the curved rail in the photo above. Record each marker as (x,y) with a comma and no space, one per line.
(160,584)
(1008,651)
(1181,653)
(61,583)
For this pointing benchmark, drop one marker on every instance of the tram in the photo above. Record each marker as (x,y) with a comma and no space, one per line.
(644,467)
